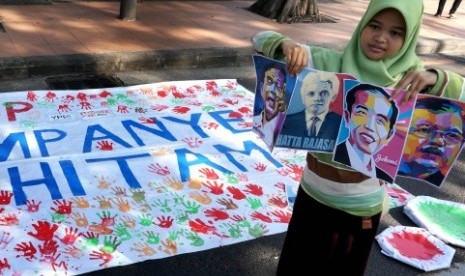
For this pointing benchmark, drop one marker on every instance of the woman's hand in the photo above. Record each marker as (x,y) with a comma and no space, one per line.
(414,82)
(296,55)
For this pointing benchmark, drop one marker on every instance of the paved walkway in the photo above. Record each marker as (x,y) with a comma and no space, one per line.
(77,36)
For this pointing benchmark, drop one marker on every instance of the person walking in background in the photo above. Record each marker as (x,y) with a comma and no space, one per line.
(452,10)
(337,210)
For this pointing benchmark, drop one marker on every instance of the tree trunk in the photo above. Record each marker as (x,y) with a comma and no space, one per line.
(289,11)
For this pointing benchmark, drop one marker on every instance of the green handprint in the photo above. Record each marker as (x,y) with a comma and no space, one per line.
(174,235)
(138,196)
(192,207)
(255,203)
(234,230)
(232,178)
(208,108)
(152,238)
(182,218)
(58,218)
(91,240)
(130,102)
(109,246)
(112,101)
(164,207)
(195,238)
(145,220)
(122,232)
(257,230)
(121,96)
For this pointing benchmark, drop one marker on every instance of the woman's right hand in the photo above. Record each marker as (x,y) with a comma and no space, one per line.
(296,55)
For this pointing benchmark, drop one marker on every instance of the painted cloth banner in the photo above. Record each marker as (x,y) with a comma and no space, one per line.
(99,178)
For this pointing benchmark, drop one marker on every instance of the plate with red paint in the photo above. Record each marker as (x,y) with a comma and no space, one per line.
(416,247)
(444,219)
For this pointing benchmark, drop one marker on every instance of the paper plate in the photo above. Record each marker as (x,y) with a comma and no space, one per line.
(416,247)
(444,219)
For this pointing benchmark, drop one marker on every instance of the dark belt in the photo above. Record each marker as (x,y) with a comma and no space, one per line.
(329,172)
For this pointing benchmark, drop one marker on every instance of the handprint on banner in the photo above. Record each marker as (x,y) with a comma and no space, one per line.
(8,220)
(101,255)
(71,235)
(143,249)
(80,202)
(122,232)
(209,173)
(5,239)
(215,187)
(260,167)
(32,206)
(5,197)
(62,207)
(110,245)
(91,239)
(254,189)
(228,203)
(170,247)
(195,239)
(283,216)
(80,219)
(173,183)
(50,96)
(106,218)
(63,108)
(103,202)
(216,214)
(26,250)
(262,217)
(159,169)
(4,265)
(129,222)
(236,193)
(201,198)
(73,252)
(123,204)
(152,238)
(49,247)
(105,145)
(31,96)
(278,202)
(44,231)
(164,222)
(52,260)
(192,142)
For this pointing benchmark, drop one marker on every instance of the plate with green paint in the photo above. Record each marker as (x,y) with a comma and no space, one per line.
(442,218)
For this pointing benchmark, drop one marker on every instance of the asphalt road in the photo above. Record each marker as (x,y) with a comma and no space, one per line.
(259,257)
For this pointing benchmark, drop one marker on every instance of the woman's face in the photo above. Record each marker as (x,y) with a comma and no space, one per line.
(384,35)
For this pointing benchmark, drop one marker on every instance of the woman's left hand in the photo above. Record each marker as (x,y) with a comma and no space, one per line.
(414,82)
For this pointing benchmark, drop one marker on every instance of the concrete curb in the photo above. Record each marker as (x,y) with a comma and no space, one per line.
(25,67)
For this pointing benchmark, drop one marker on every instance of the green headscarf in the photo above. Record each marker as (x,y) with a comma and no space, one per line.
(386,72)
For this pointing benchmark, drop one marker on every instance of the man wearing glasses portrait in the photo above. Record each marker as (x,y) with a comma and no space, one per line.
(434,140)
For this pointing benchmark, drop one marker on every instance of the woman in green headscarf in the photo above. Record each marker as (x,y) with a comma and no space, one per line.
(337,210)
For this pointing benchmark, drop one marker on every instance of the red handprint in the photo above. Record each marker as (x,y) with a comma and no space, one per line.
(68,99)
(101,255)
(31,96)
(81,96)
(149,121)
(26,250)
(5,197)
(199,226)
(210,125)
(278,201)
(216,214)
(3,265)
(52,260)
(8,220)
(215,188)
(260,167)
(254,189)
(230,102)
(32,206)
(295,171)
(105,145)
(236,193)
(122,109)
(107,219)
(209,173)
(260,216)
(105,94)
(49,247)
(164,222)
(244,110)
(71,235)
(159,107)
(159,169)
(63,108)
(234,114)
(192,142)
(85,105)
(50,96)
(44,230)
(181,109)
(283,217)
(64,207)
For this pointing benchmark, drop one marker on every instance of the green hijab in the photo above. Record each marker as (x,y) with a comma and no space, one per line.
(385,72)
